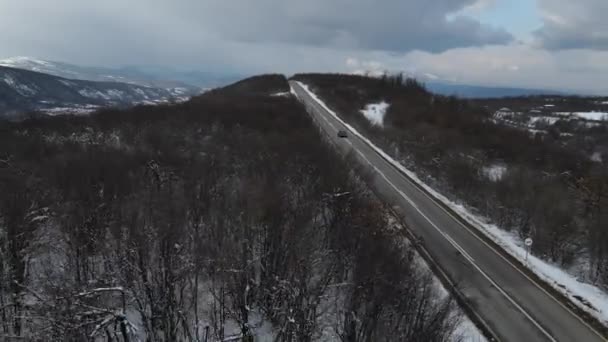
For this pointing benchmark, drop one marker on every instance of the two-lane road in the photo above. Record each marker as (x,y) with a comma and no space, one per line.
(510,303)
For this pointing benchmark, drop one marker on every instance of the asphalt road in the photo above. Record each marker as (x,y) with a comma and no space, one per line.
(510,304)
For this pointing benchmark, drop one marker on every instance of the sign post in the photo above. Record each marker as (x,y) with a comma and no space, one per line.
(528,242)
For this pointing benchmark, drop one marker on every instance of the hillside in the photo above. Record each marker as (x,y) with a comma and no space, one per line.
(226,217)
(156,77)
(24,91)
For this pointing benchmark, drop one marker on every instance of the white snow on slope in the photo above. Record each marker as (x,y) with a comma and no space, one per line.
(21,88)
(565,283)
(375,112)
(596,157)
(549,120)
(494,172)
(19,61)
(597,116)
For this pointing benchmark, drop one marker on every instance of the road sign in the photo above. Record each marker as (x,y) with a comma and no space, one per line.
(528,242)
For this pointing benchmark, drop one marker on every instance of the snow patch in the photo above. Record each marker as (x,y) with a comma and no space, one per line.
(21,88)
(281,94)
(75,110)
(587,297)
(375,113)
(466,331)
(597,157)
(141,93)
(68,83)
(115,93)
(494,172)
(549,120)
(95,94)
(596,116)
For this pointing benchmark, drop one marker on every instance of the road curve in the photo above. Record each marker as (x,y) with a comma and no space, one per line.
(509,303)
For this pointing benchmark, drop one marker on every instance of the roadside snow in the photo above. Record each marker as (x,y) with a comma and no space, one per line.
(375,112)
(586,296)
(465,331)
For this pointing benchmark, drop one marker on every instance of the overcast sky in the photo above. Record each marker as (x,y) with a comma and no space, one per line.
(555,44)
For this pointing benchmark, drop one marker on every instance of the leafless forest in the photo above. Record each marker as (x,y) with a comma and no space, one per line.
(223,218)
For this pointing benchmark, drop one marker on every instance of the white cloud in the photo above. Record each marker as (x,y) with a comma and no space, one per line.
(182,31)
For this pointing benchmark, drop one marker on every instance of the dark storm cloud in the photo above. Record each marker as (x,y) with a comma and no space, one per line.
(174,31)
(579,24)
(394,25)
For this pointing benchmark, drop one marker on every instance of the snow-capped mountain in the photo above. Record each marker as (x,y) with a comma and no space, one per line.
(24,91)
(97,74)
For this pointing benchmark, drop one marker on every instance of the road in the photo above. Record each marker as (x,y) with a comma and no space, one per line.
(508,302)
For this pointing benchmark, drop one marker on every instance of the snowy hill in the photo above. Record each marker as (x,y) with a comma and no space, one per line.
(98,74)
(25,91)
(151,76)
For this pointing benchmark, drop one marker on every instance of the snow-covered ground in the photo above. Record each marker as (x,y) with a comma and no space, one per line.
(466,331)
(75,110)
(550,120)
(594,116)
(494,172)
(597,116)
(588,297)
(374,112)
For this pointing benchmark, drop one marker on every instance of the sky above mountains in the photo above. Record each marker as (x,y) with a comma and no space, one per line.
(554,44)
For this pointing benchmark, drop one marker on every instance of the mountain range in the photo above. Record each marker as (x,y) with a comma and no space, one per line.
(472,91)
(151,76)
(24,91)
(34,85)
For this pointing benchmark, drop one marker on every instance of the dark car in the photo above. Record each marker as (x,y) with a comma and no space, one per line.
(342,134)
